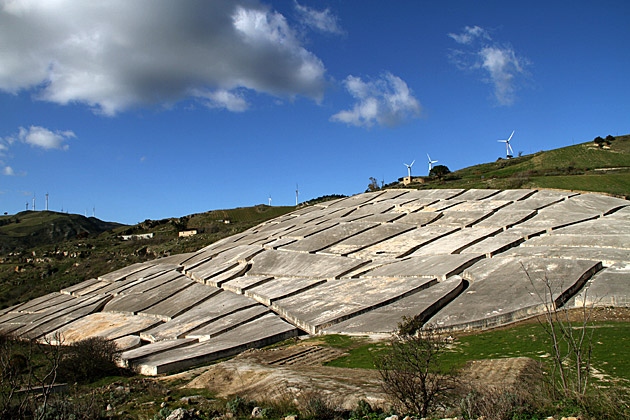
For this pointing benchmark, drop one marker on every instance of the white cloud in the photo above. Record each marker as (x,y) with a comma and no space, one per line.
(35,136)
(323,21)
(120,54)
(469,34)
(44,138)
(386,101)
(501,66)
(230,100)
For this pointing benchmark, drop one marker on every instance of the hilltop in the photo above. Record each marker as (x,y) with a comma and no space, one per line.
(41,252)
(29,229)
(581,167)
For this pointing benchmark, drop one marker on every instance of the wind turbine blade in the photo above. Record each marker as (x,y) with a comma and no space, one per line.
(429,157)
(502,141)
(510,148)
(412,162)
(511,135)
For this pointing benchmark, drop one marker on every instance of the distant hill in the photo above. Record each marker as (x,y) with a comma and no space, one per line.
(34,228)
(43,260)
(582,167)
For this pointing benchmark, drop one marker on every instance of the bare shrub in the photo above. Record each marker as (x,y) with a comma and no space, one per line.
(410,369)
(494,404)
(74,405)
(280,406)
(571,335)
(571,339)
(317,405)
(28,371)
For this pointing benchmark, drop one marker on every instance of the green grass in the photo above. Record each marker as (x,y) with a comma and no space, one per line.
(254,214)
(613,183)
(344,342)
(570,168)
(611,347)
(35,228)
(361,356)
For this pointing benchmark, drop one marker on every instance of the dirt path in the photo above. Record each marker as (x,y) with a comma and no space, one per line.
(291,372)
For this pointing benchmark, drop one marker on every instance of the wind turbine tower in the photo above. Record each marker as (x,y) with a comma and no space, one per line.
(269,200)
(46,201)
(409,168)
(33,201)
(508,148)
(296,194)
(431,162)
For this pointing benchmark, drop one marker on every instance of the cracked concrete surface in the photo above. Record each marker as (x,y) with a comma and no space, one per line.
(460,259)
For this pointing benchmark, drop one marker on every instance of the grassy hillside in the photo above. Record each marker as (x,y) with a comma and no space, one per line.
(583,167)
(33,228)
(32,271)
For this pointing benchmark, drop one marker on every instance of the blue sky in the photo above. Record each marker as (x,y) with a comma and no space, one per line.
(153,108)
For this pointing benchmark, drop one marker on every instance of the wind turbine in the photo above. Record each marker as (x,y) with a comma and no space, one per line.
(431,162)
(508,148)
(409,168)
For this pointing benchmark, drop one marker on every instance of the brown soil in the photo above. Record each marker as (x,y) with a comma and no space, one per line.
(295,371)
(278,374)
(510,373)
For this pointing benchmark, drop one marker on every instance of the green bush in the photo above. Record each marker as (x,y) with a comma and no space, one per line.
(89,360)
(162,414)
(240,406)
(364,410)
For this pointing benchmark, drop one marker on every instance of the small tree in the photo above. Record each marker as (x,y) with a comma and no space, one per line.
(609,139)
(571,340)
(373,185)
(439,171)
(599,141)
(89,360)
(410,369)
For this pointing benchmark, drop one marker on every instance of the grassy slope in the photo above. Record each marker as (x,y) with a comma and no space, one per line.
(26,275)
(33,228)
(572,168)
(611,347)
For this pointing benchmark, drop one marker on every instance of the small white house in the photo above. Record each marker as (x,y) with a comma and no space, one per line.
(137,236)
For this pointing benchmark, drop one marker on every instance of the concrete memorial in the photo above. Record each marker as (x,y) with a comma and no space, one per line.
(458,259)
